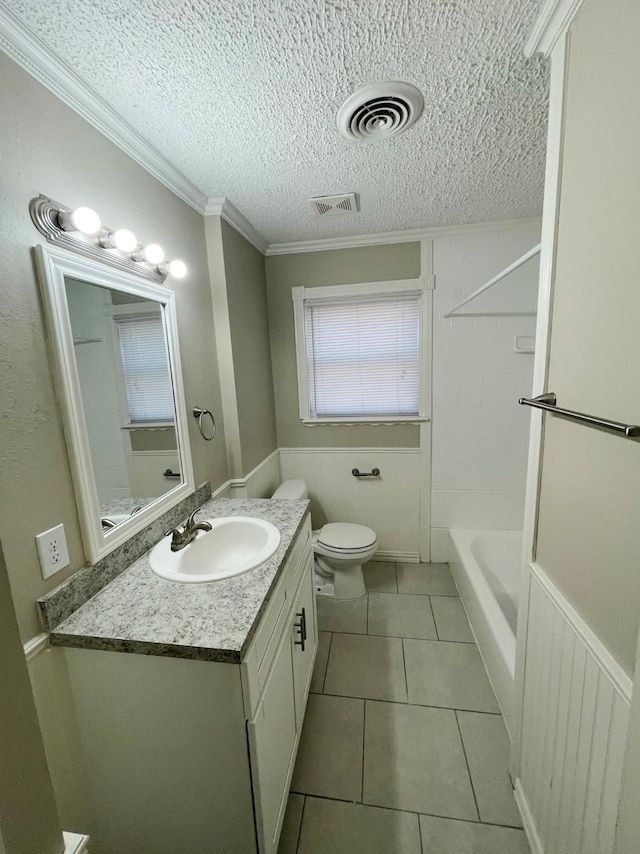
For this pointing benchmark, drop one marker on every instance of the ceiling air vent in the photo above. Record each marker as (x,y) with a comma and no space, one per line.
(334,205)
(379,111)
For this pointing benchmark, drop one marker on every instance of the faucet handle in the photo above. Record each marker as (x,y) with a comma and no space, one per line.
(191,520)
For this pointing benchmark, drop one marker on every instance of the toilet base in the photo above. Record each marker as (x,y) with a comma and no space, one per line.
(347,583)
(323,586)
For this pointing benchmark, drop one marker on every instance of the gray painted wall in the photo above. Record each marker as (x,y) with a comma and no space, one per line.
(47,148)
(29,821)
(249,325)
(313,269)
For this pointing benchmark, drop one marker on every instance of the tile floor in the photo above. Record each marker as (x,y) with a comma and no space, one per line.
(403,749)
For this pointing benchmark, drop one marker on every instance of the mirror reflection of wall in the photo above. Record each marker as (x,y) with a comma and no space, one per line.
(121,353)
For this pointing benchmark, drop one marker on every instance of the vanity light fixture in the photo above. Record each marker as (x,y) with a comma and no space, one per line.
(122,239)
(151,253)
(175,268)
(84,220)
(64,226)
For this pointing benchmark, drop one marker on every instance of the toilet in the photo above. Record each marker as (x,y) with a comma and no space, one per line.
(340,549)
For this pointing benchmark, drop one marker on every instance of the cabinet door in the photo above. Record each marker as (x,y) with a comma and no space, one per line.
(304,643)
(272,739)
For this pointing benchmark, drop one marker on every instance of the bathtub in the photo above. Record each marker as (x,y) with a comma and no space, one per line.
(486,568)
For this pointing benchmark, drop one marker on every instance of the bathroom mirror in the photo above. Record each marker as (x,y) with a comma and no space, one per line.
(117,368)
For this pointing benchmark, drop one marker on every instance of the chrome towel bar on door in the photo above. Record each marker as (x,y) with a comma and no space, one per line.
(372,473)
(548,403)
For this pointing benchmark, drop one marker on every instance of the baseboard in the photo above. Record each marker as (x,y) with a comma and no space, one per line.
(357,450)
(527,820)
(396,557)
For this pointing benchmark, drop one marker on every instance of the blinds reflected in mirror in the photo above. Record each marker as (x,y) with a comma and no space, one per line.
(363,355)
(145,364)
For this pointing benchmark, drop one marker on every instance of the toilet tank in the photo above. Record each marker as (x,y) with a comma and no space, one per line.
(293,488)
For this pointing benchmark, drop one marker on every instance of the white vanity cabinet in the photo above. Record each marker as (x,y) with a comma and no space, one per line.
(197,756)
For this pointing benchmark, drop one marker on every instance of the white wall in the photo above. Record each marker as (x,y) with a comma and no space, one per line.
(480,433)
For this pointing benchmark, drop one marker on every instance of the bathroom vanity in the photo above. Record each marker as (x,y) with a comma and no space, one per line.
(191,697)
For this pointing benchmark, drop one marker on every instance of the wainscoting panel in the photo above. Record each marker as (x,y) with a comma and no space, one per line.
(575,718)
(390,504)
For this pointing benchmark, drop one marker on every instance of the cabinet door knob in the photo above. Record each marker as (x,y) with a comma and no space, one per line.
(302,629)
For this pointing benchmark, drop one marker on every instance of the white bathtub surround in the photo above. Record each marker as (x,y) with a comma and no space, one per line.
(486,569)
(389,504)
(480,434)
(574,726)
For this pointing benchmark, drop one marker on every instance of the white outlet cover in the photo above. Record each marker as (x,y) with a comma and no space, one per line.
(52,550)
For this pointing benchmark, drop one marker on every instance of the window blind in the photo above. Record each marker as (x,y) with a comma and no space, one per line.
(146,368)
(363,355)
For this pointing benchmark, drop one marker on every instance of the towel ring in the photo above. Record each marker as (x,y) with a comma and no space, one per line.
(199,414)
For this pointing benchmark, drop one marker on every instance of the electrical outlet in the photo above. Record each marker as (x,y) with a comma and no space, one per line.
(52,550)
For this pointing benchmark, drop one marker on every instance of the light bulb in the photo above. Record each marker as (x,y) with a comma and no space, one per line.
(81,219)
(176,268)
(152,253)
(123,239)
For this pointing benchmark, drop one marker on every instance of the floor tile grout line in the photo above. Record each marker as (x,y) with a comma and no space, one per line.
(413,593)
(409,812)
(326,667)
(398,637)
(464,751)
(405,703)
(304,804)
(420,834)
(406,680)
(433,616)
(364,726)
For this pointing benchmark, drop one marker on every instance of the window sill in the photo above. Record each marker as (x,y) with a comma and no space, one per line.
(372,421)
(149,425)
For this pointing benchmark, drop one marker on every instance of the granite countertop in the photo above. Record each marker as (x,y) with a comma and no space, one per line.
(141,613)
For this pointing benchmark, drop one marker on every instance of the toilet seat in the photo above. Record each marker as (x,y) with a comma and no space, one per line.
(342,537)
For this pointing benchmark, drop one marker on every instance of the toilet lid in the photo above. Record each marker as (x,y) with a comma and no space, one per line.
(344,535)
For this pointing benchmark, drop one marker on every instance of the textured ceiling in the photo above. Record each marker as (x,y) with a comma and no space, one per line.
(242,95)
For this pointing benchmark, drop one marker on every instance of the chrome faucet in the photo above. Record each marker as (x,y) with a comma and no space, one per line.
(182,538)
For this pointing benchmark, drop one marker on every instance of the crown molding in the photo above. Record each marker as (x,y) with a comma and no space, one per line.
(554,19)
(412,235)
(222,207)
(26,49)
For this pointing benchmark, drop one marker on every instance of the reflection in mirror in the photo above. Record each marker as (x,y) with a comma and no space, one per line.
(121,354)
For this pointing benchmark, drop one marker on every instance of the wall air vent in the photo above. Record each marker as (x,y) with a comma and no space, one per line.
(346,203)
(380,111)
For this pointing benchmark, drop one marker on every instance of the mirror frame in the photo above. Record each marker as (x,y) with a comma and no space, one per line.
(53,265)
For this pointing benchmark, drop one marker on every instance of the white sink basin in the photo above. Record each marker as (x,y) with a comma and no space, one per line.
(235,544)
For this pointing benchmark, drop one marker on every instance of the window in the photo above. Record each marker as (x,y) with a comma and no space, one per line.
(145,366)
(360,352)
